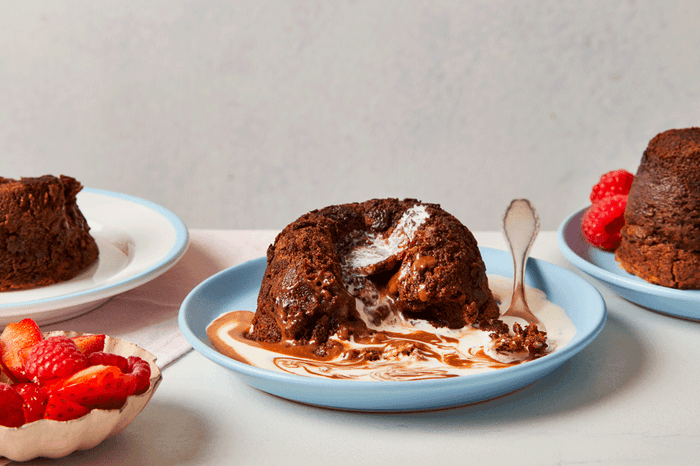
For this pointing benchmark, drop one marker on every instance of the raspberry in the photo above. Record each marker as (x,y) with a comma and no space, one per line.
(602,222)
(109,359)
(57,356)
(611,184)
(140,370)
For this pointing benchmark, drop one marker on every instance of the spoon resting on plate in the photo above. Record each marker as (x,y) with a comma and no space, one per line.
(521,225)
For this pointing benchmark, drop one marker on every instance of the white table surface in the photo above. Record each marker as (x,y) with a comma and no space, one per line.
(630,397)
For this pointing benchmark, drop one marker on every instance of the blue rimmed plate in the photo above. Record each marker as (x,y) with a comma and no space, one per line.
(602,266)
(237,288)
(138,240)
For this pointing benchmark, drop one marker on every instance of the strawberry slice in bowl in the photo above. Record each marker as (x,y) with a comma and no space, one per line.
(15,338)
(61,398)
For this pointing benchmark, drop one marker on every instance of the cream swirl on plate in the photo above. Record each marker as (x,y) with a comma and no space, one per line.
(397,349)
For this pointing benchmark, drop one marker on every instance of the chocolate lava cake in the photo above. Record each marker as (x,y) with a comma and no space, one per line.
(661,236)
(44,238)
(399,258)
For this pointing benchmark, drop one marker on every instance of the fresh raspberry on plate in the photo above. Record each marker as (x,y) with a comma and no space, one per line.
(602,222)
(54,357)
(611,184)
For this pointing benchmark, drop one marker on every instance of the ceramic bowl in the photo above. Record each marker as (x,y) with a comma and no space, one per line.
(55,439)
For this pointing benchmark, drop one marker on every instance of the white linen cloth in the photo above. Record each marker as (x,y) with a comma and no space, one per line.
(147,315)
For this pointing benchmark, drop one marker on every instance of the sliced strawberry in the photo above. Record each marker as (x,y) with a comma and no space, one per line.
(137,372)
(3,369)
(11,413)
(16,336)
(60,409)
(22,356)
(89,344)
(103,387)
(35,397)
(54,357)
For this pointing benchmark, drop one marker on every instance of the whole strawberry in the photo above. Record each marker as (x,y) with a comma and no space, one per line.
(54,357)
(602,222)
(611,184)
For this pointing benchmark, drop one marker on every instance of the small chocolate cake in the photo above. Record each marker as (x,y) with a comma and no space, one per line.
(44,238)
(387,258)
(661,236)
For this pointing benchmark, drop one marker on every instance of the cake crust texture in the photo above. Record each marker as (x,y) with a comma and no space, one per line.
(660,241)
(44,238)
(384,256)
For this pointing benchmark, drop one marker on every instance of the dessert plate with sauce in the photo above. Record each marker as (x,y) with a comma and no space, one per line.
(602,266)
(237,288)
(138,240)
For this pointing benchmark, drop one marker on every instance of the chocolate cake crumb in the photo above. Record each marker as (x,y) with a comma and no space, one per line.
(529,339)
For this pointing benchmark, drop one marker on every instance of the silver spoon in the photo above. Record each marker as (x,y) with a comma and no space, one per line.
(521,225)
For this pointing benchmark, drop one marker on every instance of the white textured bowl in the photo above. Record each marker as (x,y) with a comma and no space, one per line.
(55,439)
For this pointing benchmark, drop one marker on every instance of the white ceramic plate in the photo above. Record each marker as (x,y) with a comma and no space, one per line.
(237,288)
(138,241)
(602,266)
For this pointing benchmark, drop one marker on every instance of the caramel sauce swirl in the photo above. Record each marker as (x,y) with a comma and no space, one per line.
(405,350)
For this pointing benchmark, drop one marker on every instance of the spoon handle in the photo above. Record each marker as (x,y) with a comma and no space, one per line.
(521,225)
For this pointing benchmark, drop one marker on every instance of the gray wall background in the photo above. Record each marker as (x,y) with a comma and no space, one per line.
(247,114)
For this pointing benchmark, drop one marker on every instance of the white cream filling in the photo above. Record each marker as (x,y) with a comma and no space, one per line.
(380,248)
(560,331)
